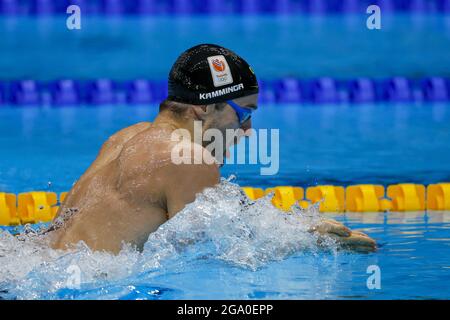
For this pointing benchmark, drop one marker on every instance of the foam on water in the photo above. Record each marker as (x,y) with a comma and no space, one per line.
(221,225)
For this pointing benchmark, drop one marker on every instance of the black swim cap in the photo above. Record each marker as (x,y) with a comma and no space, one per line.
(208,73)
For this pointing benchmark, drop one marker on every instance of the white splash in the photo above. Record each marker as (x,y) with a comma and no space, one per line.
(221,224)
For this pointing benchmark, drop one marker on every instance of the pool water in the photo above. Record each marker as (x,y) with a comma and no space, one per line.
(303,46)
(47,149)
(256,251)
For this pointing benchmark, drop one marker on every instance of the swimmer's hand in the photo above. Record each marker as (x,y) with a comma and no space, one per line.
(346,238)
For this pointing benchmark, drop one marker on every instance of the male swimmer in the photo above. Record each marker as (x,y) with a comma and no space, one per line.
(133,186)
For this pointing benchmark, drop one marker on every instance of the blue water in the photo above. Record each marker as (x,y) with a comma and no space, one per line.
(303,46)
(48,148)
(413,259)
(337,144)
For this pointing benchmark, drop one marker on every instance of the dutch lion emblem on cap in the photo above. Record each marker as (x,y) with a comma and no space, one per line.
(218,65)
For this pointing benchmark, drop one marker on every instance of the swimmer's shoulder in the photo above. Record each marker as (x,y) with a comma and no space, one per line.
(112,147)
(155,148)
(127,133)
(150,138)
(144,151)
(163,143)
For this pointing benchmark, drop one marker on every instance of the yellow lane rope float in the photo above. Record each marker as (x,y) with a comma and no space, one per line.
(41,206)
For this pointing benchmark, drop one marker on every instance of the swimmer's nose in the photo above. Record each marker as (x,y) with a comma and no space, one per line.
(246,126)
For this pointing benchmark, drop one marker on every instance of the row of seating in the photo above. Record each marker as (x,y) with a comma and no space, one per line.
(40,206)
(360,198)
(120,7)
(288,90)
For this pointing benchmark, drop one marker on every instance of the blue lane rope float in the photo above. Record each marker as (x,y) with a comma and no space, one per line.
(212,7)
(41,206)
(287,90)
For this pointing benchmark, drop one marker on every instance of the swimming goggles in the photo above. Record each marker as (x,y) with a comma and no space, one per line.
(242,113)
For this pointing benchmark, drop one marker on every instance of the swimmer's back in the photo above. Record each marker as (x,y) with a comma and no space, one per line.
(132,188)
(109,152)
(113,146)
(104,199)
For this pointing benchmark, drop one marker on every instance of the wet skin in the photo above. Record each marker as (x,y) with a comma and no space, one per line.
(133,187)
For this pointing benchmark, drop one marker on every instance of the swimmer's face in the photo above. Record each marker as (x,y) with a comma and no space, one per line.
(227,118)
(248,102)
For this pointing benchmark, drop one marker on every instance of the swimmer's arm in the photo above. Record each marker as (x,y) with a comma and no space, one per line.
(184,181)
(344,237)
